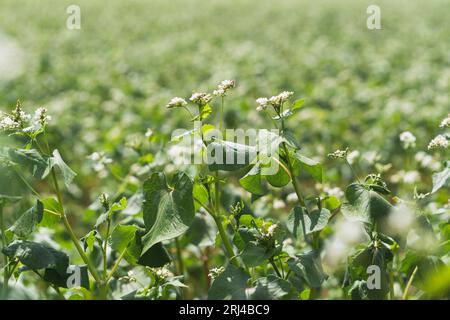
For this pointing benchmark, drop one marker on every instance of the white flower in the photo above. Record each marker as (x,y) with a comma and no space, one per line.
(162,273)
(445,122)
(176,102)
(278,204)
(292,197)
(408,140)
(439,142)
(149,133)
(201,98)
(271,230)
(262,103)
(215,272)
(277,101)
(8,124)
(339,154)
(100,161)
(426,161)
(334,192)
(223,87)
(40,117)
(352,156)
(411,177)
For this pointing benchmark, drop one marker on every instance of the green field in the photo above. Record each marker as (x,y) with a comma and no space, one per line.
(106,85)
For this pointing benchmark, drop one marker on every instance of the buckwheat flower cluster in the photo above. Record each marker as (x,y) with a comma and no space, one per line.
(274,101)
(439,142)
(7,123)
(201,98)
(162,273)
(339,154)
(176,102)
(223,87)
(268,232)
(16,120)
(445,122)
(408,140)
(41,117)
(100,161)
(215,272)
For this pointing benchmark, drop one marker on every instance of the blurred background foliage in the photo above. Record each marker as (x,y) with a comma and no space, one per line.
(108,83)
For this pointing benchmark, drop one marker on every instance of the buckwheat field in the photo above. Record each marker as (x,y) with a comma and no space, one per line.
(247,149)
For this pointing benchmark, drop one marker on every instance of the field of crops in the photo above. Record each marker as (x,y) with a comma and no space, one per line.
(344,193)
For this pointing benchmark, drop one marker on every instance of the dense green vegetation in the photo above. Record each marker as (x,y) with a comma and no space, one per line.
(96,180)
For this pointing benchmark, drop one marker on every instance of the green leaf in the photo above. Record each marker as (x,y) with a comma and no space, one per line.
(200,193)
(308,266)
(272,288)
(229,285)
(121,237)
(39,165)
(68,174)
(205,111)
(26,223)
(364,205)
(281,177)
(50,219)
(300,222)
(229,156)
(298,104)
(155,257)
(252,181)
(313,167)
(37,256)
(254,254)
(168,211)
(441,179)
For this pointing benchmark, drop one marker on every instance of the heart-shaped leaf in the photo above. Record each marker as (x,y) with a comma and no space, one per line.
(168,210)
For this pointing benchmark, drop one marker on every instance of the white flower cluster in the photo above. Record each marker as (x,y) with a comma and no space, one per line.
(7,123)
(162,273)
(223,87)
(339,154)
(20,120)
(439,141)
(445,122)
(274,101)
(201,98)
(426,161)
(41,117)
(334,192)
(268,232)
(353,156)
(100,161)
(176,102)
(215,272)
(408,140)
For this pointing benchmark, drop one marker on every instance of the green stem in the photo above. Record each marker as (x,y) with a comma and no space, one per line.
(179,257)
(353,171)
(105,248)
(116,265)
(226,241)
(275,268)
(410,281)
(293,179)
(67,225)
(4,244)
(72,235)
